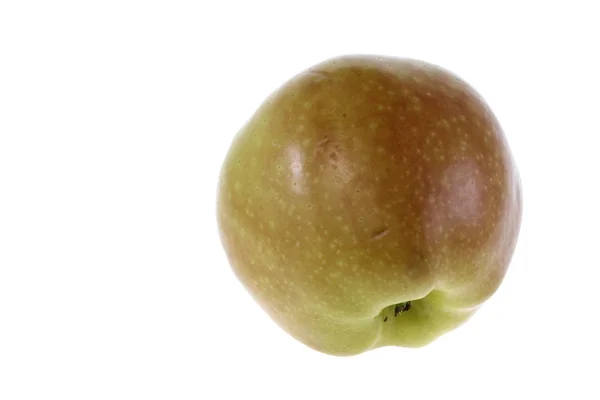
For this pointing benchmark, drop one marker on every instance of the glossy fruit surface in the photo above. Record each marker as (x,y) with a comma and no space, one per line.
(370,201)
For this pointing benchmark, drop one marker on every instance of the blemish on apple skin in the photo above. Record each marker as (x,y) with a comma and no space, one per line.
(322,143)
(380,233)
(385,319)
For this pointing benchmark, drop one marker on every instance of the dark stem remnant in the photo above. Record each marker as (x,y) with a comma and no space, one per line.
(402,307)
(385,318)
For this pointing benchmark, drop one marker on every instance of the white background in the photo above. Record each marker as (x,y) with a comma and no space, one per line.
(114,120)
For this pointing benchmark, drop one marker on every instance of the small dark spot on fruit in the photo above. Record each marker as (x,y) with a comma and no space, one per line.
(385,319)
(333,156)
(344,115)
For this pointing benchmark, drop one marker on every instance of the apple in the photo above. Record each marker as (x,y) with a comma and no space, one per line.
(370,201)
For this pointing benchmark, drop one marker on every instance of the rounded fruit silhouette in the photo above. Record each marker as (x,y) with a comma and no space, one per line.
(370,201)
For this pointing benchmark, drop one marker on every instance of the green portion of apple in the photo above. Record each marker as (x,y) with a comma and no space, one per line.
(370,201)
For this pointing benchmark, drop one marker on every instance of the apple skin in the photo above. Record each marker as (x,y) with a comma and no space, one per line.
(370,201)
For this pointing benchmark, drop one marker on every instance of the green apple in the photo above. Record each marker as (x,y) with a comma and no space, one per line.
(370,201)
